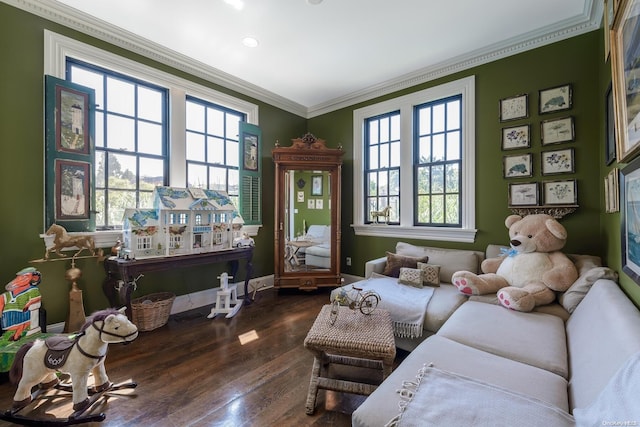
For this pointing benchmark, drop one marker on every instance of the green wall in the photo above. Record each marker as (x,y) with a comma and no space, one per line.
(578,61)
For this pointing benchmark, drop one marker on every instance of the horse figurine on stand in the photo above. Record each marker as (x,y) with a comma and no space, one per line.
(64,240)
(38,362)
(386,213)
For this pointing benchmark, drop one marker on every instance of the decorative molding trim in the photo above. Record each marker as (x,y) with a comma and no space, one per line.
(555,211)
(422,233)
(590,20)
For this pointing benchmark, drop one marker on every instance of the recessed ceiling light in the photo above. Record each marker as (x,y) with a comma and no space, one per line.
(250,42)
(237,4)
(314,2)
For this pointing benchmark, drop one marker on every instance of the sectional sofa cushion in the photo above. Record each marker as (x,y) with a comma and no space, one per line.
(382,405)
(396,261)
(536,339)
(449,260)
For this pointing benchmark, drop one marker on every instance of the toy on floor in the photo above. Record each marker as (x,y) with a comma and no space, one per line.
(39,361)
(226,299)
(530,272)
(20,305)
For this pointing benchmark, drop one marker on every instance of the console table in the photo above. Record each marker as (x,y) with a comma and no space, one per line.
(126,270)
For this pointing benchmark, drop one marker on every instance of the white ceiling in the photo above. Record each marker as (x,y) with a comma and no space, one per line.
(318,57)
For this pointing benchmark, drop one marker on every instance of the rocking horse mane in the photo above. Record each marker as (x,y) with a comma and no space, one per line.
(98,316)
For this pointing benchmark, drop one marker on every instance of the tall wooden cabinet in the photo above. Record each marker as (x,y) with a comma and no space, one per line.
(307,214)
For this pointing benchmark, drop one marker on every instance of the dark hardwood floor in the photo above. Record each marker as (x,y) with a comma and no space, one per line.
(194,371)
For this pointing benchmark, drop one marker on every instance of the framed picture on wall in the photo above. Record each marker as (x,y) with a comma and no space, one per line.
(610,146)
(630,227)
(555,99)
(516,137)
(72,189)
(517,166)
(515,107)
(523,194)
(560,192)
(625,43)
(316,185)
(557,130)
(557,161)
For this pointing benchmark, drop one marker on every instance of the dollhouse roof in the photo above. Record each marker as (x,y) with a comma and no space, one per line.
(141,217)
(189,199)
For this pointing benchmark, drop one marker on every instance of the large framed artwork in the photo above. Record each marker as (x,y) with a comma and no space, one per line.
(625,47)
(250,171)
(69,155)
(630,217)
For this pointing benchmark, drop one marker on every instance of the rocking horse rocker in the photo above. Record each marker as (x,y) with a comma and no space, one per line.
(37,364)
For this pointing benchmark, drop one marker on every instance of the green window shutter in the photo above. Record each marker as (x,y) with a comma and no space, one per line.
(69,155)
(250,173)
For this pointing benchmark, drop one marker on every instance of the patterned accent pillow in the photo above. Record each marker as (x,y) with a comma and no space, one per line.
(430,274)
(411,277)
(396,262)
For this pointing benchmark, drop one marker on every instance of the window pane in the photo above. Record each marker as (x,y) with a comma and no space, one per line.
(373,206)
(453,115)
(233,129)
(453,178)
(373,157)
(373,184)
(123,172)
(424,150)
(437,209)
(438,118)
(150,138)
(232,153)
(99,169)
(394,182)
(234,183)
(215,122)
(424,209)
(218,179)
(118,202)
(151,173)
(453,145)
(120,97)
(374,137)
(195,147)
(437,179)
(424,179)
(120,133)
(384,129)
(149,104)
(438,147)
(394,202)
(395,154)
(424,116)
(195,116)
(196,176)
(395,127)
(100,208)
(384,156)
(383,183)
(99,129)
(453,209)
(90,79)
(215,150)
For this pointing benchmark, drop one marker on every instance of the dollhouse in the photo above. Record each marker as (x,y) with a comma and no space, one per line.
(182,221)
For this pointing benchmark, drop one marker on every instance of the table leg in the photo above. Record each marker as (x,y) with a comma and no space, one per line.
(109,288)
(310,406)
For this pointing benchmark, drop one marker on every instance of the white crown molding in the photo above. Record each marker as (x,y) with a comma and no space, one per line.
(590,20)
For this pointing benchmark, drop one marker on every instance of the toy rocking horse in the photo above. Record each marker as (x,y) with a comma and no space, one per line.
(39,361)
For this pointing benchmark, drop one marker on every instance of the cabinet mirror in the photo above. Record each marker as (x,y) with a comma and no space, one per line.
(307,214)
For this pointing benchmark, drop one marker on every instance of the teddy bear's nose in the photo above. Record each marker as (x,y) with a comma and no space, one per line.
(516,243)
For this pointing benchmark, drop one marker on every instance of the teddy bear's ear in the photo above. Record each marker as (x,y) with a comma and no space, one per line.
(512,219)
(556,228)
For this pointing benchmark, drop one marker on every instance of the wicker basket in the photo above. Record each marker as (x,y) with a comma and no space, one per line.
(152,311)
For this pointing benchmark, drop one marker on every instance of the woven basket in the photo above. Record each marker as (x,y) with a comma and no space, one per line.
(152,311)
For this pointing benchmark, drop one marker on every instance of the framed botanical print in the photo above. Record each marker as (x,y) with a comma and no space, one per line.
(557,130)
(557,162)
(555,99)
(517,166)
(515,137)
(560,192)
(515,107)
(523,194)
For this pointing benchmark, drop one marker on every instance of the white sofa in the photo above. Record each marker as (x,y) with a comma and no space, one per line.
(318,255)
(500,367)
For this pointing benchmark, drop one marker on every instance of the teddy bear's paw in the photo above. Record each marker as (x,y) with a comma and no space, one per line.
(464,284)
(516,299)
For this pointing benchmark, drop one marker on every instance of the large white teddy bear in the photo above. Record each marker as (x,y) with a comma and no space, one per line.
(530,272)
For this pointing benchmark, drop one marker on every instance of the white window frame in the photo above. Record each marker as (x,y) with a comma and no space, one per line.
(58,47)
(406,103)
